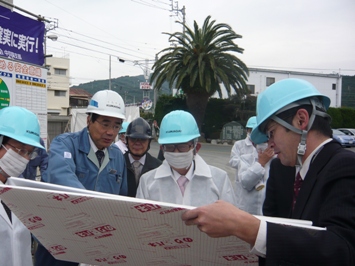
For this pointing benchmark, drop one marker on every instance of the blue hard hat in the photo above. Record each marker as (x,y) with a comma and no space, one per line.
(123,127)
(178,127)
(251,122)
(20,124)
(279,97)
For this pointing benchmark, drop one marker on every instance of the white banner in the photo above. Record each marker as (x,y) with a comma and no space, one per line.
(102,229)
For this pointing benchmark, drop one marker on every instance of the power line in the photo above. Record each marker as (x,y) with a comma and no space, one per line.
(145,3)
(80,40)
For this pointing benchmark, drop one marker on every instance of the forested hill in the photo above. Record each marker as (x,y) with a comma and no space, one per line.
(127,87)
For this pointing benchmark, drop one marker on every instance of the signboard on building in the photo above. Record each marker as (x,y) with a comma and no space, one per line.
(232,131)
(21,38)
(145,86)
(147,104)
(24,85)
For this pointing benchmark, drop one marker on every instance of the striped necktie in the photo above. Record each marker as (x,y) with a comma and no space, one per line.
(137,170)
(182,182)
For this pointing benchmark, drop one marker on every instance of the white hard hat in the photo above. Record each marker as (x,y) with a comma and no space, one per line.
(107,103)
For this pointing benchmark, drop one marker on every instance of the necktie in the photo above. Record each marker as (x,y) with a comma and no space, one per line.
(181,182)
(100,156)
(137,170)
(296,188)
(8,211)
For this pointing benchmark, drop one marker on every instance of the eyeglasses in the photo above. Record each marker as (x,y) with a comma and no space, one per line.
(134,140)
(270,134)
(182,147)
(106,126)
(23,152)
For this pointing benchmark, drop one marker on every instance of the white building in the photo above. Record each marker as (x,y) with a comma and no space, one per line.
(58,85)
(328,84)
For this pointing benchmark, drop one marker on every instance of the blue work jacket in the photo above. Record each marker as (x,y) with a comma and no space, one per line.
(72,162)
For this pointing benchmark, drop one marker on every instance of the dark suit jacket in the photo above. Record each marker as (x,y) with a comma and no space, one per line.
(279,190)
(150,164)
(327,198)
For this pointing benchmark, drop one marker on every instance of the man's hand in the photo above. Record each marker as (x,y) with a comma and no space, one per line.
(221,219)
(265,156)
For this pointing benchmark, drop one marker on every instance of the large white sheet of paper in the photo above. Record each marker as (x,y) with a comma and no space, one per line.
(104,229)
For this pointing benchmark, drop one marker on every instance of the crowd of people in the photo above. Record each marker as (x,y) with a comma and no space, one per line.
(287,166)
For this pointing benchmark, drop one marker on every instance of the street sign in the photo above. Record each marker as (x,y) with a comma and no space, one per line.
(145,86)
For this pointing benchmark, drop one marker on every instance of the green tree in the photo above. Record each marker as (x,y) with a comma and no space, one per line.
(199,61)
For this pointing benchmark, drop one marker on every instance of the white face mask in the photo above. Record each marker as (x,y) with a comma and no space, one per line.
(179,160)
(13,163)
(261,147)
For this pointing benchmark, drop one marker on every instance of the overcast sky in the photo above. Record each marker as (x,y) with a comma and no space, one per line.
(297,35)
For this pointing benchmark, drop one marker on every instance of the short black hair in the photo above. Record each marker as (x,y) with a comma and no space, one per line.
(93,117)
(320,124)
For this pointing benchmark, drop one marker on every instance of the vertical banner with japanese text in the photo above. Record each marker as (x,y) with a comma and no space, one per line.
(21,38)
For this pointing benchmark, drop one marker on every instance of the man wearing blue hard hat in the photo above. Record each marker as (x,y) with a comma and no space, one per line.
(184,177)
(291,114)
(19,143)
(252,164)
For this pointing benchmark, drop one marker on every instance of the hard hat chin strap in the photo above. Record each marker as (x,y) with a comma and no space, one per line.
(301,150)
(302,145)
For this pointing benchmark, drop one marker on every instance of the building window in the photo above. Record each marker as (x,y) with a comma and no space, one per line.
(60,93)
(251,88)
(334,86)
(60,71)
(269,81)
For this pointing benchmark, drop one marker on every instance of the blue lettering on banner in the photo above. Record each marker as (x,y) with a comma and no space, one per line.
(19,76)
(5,74)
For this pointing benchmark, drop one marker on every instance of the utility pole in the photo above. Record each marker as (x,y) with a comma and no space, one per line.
(154,90)
(176,11)
(109,75)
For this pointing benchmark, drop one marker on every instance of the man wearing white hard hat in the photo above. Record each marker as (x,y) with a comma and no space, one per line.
(19,143)
(89,159)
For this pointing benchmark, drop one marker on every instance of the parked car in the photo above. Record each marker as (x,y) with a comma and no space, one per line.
(343,139)
(348,131)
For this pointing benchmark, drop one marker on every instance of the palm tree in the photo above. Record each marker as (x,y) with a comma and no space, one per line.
(199,62)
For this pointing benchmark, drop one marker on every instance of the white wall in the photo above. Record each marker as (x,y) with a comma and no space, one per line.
(57,104)
(323,82)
